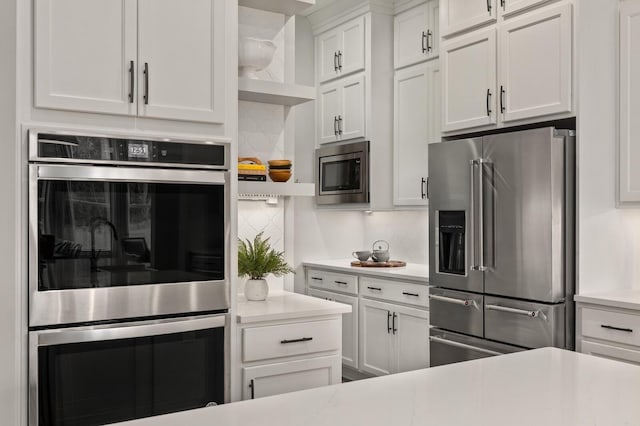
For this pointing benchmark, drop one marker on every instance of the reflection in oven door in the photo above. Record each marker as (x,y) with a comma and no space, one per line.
(111,373)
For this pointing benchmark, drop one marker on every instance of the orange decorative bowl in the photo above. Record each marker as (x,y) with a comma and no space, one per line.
(279,163)
(279,175)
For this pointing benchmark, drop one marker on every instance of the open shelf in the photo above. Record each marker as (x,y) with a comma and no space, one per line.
(288,7)
(273,92)
(276,189)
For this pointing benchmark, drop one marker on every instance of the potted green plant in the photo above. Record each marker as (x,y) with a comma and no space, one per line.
(256,260)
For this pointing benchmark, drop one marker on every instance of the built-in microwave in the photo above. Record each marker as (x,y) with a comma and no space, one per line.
(343,174)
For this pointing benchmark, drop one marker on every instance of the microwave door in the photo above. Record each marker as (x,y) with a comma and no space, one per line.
(454,215)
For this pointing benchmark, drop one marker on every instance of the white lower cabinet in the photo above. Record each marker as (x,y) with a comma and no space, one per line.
(393,338)
(273,379)
(608,332)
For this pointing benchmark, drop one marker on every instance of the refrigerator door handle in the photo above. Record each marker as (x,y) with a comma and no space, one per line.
(462,345)
(461,302)
(531,314)
(478,225)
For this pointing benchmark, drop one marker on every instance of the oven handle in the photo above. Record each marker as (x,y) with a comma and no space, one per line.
(129,174)
(128,330)
(462,345)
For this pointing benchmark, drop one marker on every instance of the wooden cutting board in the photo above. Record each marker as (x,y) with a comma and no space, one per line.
(372,264)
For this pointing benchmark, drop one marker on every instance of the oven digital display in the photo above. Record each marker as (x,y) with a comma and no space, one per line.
(139,150)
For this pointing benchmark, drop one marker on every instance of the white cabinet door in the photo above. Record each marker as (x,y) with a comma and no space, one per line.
(629,101)
(84,51)
(340,51)
(376,341)
(535,64)
(460,15)
(328,109)
(511,6)
(469,67)
(351,54)
(416,35)
(273,379)
(351,121)
(327,46)
(349,325)
(611,352)
(411,129)
(412,339)
(181,52)
(434,117)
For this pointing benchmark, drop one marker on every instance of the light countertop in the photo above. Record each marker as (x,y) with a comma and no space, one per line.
(285,305)
(546,387)
(627,299)
(413,271)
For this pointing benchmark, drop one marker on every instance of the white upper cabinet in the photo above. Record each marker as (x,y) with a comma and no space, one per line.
(460,15)
(181,49)
(416,124)
(416,34)
(535,64)
(512,6)
(83,55)
(341,110)
(152,58)
(340,51)
(469,67)
(629,156)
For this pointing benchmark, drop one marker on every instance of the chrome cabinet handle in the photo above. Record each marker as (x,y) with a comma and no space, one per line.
(252,386)
(462,345)
(611,327)
(339,125)
(146,83)
(489,103)
(425,42)
(131,81)
(302,339)
(461,302)
(388,320)
(429,35)
(502,107)
(339,60)
(422,185)
(531,314)
(394,329)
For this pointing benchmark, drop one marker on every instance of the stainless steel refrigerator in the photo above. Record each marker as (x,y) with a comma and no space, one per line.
(501,244)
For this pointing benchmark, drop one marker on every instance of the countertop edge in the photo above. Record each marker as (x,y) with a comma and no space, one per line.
(614,300)
(400,273)
(252,319)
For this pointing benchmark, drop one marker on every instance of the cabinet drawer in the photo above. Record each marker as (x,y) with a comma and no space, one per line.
(332,281)
(395,291)
(614,326)
(611,352)
(290,339)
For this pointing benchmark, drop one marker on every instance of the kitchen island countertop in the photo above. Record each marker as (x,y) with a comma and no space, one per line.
(413,271)
(540,387)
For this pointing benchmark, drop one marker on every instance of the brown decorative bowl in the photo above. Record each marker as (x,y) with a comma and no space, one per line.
(279,162)
(279,175)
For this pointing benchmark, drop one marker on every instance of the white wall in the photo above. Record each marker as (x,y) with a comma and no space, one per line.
(608,237)
(12,361)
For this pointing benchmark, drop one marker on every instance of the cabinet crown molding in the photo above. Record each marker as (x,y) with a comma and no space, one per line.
(339,12)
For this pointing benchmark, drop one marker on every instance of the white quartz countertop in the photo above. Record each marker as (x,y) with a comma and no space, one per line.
(542,387)
(285,305)
(413,271)
(627,299)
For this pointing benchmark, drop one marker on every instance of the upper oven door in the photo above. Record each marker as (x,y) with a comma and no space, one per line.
(118,242)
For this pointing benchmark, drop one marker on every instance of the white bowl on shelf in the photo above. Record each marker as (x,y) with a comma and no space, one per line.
(254,55)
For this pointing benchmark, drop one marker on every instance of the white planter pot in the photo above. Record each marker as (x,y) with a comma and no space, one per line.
(256,289)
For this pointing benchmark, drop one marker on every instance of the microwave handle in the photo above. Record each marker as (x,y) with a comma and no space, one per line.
(128,330)
(128,174)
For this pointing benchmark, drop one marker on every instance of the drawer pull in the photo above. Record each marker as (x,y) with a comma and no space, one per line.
(388,319)
(454,301)
(374,288)
(411,294)
(394,323)
(302,339)
(252,386)
(341,282)
(316,279)
(610,327)
(532,314)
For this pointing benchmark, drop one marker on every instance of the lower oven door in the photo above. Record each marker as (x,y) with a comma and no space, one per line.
(116,372)
(446,347)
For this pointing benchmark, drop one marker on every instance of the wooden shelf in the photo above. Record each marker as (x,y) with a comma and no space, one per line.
(288,7)
(276,189)
(273,92)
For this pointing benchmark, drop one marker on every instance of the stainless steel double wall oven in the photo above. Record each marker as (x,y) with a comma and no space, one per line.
(128,276)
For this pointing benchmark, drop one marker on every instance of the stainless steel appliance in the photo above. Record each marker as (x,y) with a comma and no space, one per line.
(110,373)
(126,228)
(501,244)
(343,174)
